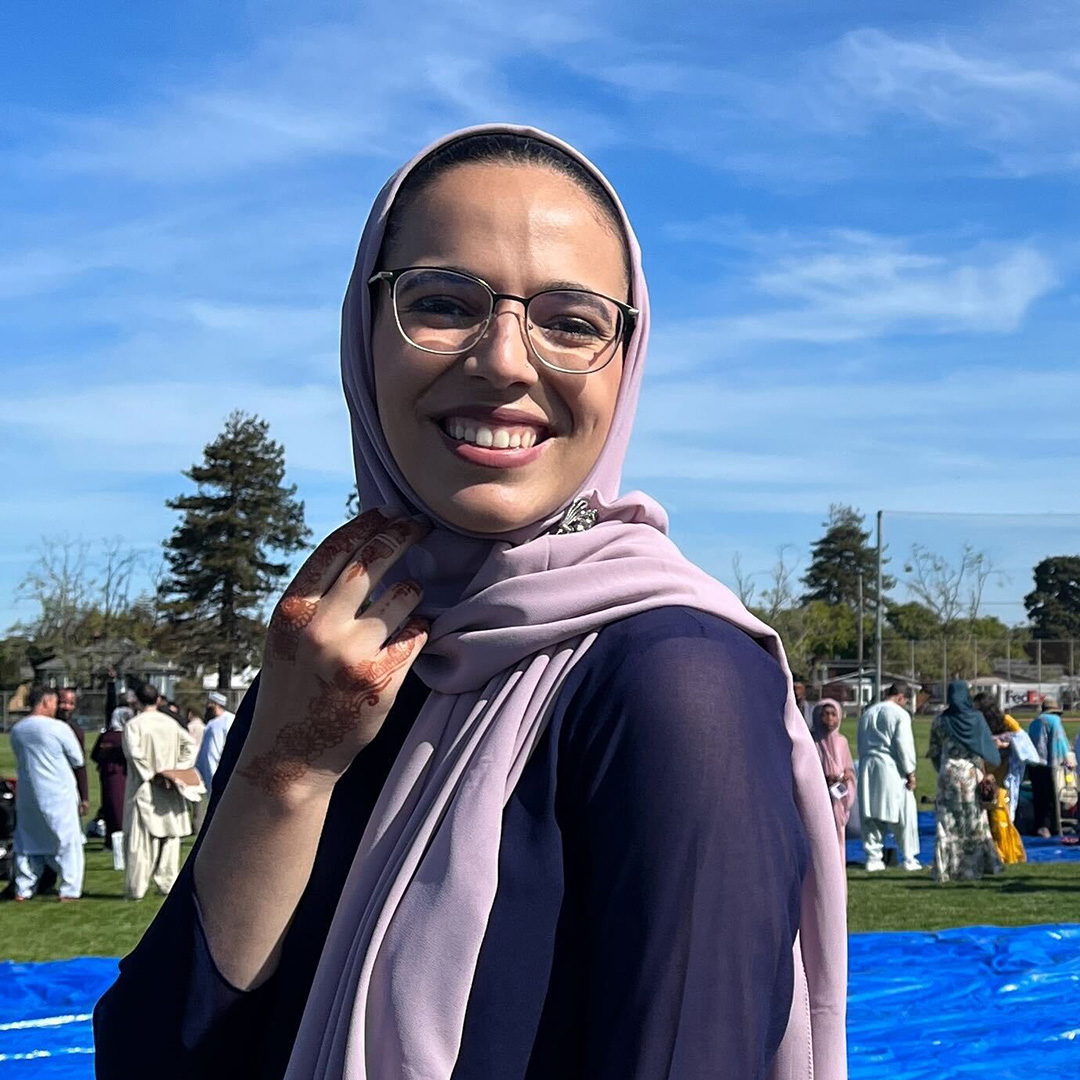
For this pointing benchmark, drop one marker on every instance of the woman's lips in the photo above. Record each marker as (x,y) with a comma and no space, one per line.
(492,457)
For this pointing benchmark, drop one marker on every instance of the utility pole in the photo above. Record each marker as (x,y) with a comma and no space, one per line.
(879,613)
(914,692)
(860,646)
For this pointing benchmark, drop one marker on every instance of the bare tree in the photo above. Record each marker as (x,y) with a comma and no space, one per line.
(953,592)
(780,594)
(157,572)
(744,589)
(117,565)
(60,583)
(82,590)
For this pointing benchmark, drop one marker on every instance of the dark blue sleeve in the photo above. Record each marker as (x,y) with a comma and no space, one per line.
(170,1010)
(685,850)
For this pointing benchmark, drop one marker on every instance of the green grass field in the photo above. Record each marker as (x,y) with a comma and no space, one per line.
(103,923)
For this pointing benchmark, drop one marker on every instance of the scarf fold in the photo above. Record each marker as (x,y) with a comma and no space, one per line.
(511,616)
(963,722)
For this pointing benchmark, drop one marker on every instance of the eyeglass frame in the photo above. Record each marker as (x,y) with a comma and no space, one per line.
(629,314)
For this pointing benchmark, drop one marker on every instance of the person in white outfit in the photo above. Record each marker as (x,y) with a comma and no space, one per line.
(213,740)
(48,831)
(161,758)
(886,785)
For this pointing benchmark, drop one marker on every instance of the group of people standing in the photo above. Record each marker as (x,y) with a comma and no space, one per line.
(155,767)
(980,755)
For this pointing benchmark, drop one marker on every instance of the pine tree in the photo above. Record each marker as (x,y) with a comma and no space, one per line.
(226,556)
(837,558)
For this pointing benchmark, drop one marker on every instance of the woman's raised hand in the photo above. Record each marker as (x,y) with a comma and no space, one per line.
(332,665)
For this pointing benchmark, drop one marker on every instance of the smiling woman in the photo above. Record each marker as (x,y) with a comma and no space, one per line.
(532,790)
(488,236)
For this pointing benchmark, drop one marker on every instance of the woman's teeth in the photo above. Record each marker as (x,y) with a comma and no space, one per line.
(498,438)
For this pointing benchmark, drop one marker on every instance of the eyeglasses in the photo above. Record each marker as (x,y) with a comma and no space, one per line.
(447,312)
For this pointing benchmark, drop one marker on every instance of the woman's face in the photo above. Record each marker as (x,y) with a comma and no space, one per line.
(830,718)
(522,229)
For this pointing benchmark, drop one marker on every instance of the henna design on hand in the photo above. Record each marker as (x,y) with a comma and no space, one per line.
(380,548)
(348,538)
(290,617)
(297,607)
(333,714)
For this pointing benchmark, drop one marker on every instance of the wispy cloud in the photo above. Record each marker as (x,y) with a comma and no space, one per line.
(842,286)
(1008,93)
(354,88)
(1022,106)
(851,285)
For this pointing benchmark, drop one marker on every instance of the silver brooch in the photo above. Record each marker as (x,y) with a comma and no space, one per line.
(578,517)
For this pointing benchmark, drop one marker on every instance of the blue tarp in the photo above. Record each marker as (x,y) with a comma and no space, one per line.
(977,1001)
(1038,850)
(971,1002)
(45,1012)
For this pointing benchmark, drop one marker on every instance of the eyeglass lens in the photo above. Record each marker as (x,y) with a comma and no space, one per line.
(446,312)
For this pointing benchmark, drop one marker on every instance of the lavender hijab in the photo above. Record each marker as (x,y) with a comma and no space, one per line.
(511,616)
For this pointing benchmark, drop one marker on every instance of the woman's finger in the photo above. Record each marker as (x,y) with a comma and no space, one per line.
(366,567)
(324,564)
(296,608)
(386,615)
(401,651)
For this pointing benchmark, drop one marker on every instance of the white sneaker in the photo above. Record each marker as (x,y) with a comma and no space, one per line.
(912,865)
(874,867)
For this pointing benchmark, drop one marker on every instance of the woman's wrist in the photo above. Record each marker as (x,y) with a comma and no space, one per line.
(279,783)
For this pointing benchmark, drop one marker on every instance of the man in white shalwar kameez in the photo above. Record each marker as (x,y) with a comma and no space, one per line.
(48,831)
(160,758)
(886,786)
(219,721)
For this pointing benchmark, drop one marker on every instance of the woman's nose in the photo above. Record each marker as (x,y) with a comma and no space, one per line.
(502,356)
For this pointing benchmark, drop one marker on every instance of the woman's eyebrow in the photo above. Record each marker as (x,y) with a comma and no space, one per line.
(548,286)
(575,286)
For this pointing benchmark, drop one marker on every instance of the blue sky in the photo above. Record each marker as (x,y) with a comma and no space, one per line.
(859,223)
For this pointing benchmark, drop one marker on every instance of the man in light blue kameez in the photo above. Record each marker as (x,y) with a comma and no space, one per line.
(47,808)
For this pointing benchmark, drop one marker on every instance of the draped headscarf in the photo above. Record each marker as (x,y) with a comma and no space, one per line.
(832,747)
(120,716)
(964,723)
(511,615)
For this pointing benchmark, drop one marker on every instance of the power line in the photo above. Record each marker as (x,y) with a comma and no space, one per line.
(1020,517)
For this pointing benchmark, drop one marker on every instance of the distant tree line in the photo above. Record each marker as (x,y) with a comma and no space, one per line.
(239,523)
(206,608)
(820,620)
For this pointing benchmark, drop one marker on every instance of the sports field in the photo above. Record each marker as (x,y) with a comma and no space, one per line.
(104,924)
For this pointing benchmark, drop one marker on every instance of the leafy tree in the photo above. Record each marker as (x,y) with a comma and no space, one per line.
(226,557)
(913,621)
(830,630)
(837,559)
(1053,606)
(815,632)
(15,652)
(988,628)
